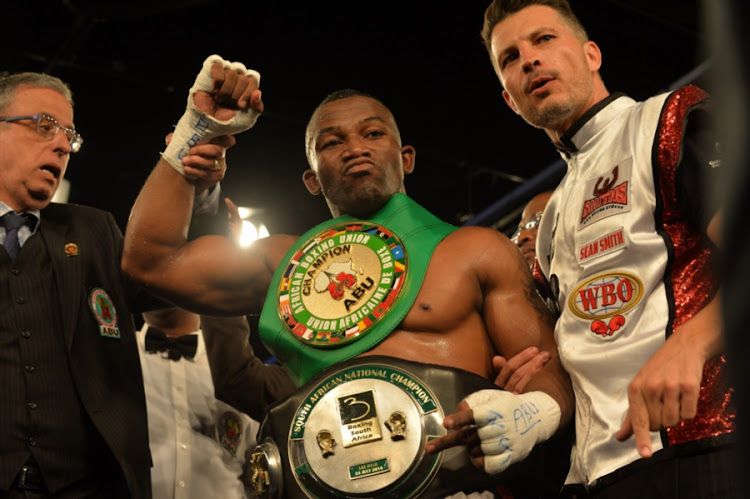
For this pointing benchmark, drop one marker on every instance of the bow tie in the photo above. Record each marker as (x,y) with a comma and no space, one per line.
(175,348)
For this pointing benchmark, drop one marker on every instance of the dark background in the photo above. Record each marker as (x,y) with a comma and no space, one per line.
(130,66)
(131,63)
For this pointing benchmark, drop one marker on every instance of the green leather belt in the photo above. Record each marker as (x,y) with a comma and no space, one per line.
(346,284)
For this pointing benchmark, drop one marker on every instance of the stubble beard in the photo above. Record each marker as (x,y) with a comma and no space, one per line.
(557,115)
(549,117)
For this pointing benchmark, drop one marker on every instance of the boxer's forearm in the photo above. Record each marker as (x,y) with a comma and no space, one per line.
(160,219)
(555,382)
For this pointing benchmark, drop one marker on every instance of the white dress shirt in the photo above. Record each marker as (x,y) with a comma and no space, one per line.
(198,443)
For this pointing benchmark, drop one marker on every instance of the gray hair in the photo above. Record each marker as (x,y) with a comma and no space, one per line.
(9,84)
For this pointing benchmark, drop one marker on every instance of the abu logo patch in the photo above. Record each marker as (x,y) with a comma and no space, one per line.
(103,309)
(341,283)
(604,299)
(611,195)
(230,431)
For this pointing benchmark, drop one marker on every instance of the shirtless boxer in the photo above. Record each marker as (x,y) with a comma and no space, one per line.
(476,297)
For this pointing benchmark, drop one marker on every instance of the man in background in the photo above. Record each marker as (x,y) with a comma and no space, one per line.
(200,444)
(525,234)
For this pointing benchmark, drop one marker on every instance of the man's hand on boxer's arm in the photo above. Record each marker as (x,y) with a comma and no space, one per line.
(206,164)
(514,374)
(507,427)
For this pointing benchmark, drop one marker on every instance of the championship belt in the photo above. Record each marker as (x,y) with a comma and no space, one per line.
(358,429)
(346,284)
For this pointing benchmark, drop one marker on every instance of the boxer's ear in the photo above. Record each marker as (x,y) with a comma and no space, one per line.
(310,178)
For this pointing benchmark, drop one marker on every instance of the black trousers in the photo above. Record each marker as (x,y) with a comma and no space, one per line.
(706,475)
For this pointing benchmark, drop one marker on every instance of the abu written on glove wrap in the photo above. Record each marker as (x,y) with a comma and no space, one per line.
(510,425)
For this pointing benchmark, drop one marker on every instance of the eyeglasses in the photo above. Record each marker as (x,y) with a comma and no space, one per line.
(47,127)
(531,224)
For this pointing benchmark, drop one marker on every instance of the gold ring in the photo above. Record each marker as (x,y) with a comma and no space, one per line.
(217,165)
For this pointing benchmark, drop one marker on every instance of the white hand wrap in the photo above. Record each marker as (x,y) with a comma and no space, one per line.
(510,425)
(195,125)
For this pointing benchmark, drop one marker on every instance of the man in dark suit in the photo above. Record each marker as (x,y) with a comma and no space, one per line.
(72,408)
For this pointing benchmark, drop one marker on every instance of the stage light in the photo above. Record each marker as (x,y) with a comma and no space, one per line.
(252,228)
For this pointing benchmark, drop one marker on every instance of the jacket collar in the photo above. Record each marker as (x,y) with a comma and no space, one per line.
(583,129)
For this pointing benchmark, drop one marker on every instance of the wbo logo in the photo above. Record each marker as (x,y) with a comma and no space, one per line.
(604,299)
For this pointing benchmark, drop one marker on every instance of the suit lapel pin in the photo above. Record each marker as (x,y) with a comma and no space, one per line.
(71,249)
